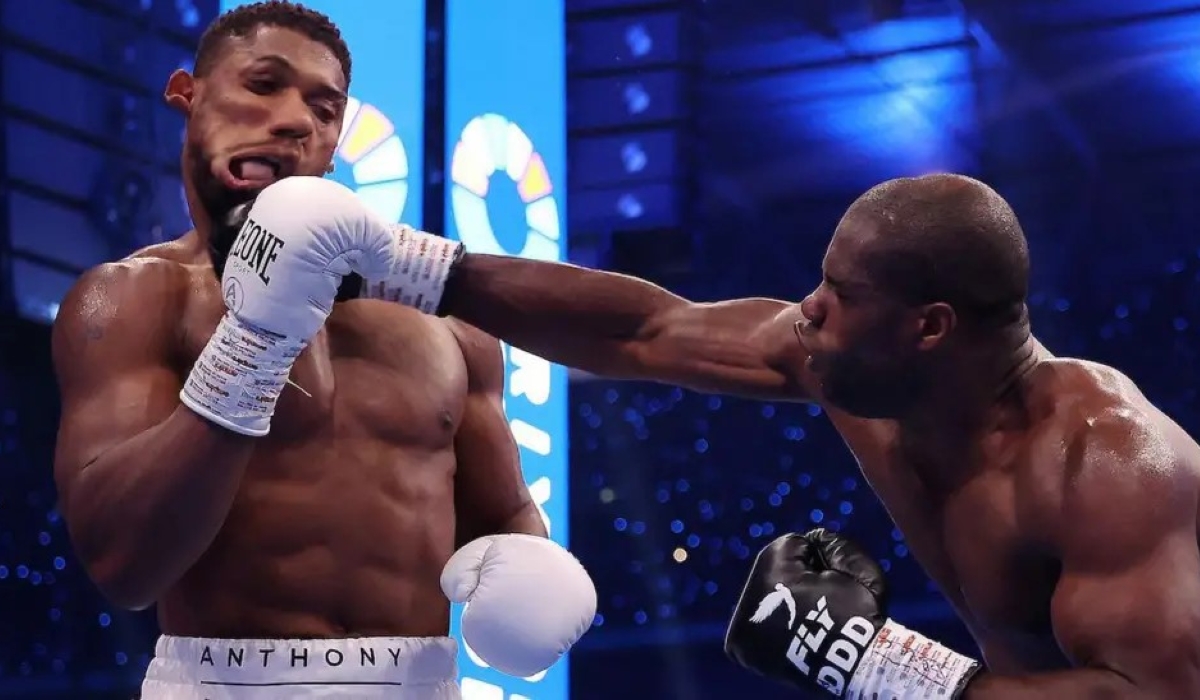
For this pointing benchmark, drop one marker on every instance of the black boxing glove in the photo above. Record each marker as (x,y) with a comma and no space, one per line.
(814,613)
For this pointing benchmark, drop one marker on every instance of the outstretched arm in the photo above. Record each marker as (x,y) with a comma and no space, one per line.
(623,327)
(1127,607)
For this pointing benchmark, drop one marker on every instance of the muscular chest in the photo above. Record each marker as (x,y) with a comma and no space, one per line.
(976,546)
(375,371)
(1003,578)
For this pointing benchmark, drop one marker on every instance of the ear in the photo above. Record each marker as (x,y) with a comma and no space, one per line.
(180,91)
(937,322)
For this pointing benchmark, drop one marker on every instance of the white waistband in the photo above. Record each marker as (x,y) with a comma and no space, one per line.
(252,668)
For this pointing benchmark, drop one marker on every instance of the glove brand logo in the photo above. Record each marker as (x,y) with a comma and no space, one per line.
(258,248)
(233,294)
(843,653)
(782,595)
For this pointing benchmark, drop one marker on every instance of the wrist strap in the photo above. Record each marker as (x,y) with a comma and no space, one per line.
(904,665)
(421,265)
(237,380)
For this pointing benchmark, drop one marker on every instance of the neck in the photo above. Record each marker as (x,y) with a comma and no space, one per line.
(199,214)
(980,392)
(204,229)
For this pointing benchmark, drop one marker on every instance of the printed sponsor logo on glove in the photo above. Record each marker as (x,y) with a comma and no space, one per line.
(839,652)
(258,248)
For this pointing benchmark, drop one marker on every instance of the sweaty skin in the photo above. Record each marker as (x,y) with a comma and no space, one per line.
(390,450)
(1061,524)
(346,513)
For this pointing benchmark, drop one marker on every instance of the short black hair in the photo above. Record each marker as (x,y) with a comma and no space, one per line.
(949,238)
(243,20)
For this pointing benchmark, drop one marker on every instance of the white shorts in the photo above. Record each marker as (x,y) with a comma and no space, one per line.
(368,668)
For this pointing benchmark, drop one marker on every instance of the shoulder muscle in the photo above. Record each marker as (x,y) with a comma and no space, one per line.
(482,356)
(1123,467)
(116,313)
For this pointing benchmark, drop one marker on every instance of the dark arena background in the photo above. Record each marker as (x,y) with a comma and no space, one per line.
(708,145)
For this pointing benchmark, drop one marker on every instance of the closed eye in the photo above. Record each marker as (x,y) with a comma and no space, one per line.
(263,86)
(837,289)
(325,113)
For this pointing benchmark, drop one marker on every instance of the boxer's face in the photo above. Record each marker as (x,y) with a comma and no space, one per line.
(271,106)
(863,343)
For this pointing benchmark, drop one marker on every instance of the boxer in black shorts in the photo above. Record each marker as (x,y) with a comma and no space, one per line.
(1054,505)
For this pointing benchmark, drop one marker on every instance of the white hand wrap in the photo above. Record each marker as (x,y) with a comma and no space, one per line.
(295,243)
(238,378)
(421,264)
(903,665)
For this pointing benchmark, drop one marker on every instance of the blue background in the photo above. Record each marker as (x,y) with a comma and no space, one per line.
(507,58)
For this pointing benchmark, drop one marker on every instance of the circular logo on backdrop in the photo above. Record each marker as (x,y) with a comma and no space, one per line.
(377,159)
(491,145)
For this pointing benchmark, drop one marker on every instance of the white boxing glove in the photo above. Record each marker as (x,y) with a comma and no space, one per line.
(421,266)
(299,238)
(528,601)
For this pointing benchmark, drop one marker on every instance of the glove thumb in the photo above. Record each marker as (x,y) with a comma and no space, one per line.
(845,556)
(460,576)
(225,232)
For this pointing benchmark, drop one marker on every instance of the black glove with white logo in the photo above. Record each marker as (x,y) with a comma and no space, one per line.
(813,613)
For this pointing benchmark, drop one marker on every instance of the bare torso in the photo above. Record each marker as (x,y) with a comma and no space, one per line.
(985,541)
(345,515)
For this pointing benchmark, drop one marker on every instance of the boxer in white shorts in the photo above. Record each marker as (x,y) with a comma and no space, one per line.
(378,667)
(265,457)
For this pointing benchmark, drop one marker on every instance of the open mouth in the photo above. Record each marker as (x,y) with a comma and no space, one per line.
(253,172)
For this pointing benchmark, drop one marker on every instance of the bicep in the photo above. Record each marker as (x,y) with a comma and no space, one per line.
(1140,620)
(1128,596)
(111,410)
(745,347)
(489,486)
(111,364)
